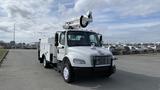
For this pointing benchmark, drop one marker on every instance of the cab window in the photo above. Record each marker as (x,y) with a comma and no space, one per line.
(62,38)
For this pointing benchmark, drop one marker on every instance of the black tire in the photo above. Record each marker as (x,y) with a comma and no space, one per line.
(38,54)
(67,72)
(108,75)
(40,60)
(46,64)
(111,71)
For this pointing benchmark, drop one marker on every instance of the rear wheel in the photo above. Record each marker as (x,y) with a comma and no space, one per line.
(40,60)
(67,72)
(45,63)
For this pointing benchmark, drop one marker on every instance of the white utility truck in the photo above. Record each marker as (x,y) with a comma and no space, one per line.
(76,50)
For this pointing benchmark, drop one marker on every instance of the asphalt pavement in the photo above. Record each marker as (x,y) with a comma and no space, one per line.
(22,71)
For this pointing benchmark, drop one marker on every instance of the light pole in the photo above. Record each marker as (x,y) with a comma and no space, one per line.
(14,36)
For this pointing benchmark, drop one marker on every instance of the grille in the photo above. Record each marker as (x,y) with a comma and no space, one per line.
(101,60)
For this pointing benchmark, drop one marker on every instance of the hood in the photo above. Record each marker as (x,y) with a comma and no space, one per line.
(87,50)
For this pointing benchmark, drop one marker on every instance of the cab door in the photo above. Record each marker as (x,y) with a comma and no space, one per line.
(61,46)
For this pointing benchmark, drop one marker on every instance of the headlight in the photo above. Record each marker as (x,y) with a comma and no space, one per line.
(78,61)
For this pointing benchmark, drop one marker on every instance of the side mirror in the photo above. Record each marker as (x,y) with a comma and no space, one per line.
(56,39)
(100,39)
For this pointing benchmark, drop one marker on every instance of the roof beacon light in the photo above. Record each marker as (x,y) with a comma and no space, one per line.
(81,22)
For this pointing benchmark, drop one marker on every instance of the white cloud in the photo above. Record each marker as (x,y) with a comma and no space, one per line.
(132,25)
(122,7)
(28,15)
(4,28)
(36,17)
(134,7)
(26,8)
(85,5)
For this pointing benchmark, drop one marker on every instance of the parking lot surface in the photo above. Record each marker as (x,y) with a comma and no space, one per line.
(22,71)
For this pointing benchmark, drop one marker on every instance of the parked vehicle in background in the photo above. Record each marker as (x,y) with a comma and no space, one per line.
(152,48)
(126,50)
(113,49)
(133,50)
(158,48)
(141,50)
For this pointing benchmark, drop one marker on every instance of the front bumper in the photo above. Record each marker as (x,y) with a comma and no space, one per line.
(96,70)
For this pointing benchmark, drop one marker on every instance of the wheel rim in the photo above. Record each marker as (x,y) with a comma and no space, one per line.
(44,62)
(65,73)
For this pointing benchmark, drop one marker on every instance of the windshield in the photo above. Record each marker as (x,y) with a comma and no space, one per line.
(82,38)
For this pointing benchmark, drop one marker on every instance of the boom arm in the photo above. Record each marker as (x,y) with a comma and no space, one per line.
(81,22)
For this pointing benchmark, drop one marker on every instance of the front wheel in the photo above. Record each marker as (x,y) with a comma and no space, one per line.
(67,72)
(111,71)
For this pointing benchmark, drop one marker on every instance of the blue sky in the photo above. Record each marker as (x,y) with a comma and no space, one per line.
(117,20)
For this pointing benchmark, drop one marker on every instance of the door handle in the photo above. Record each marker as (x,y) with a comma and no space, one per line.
(62,47)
